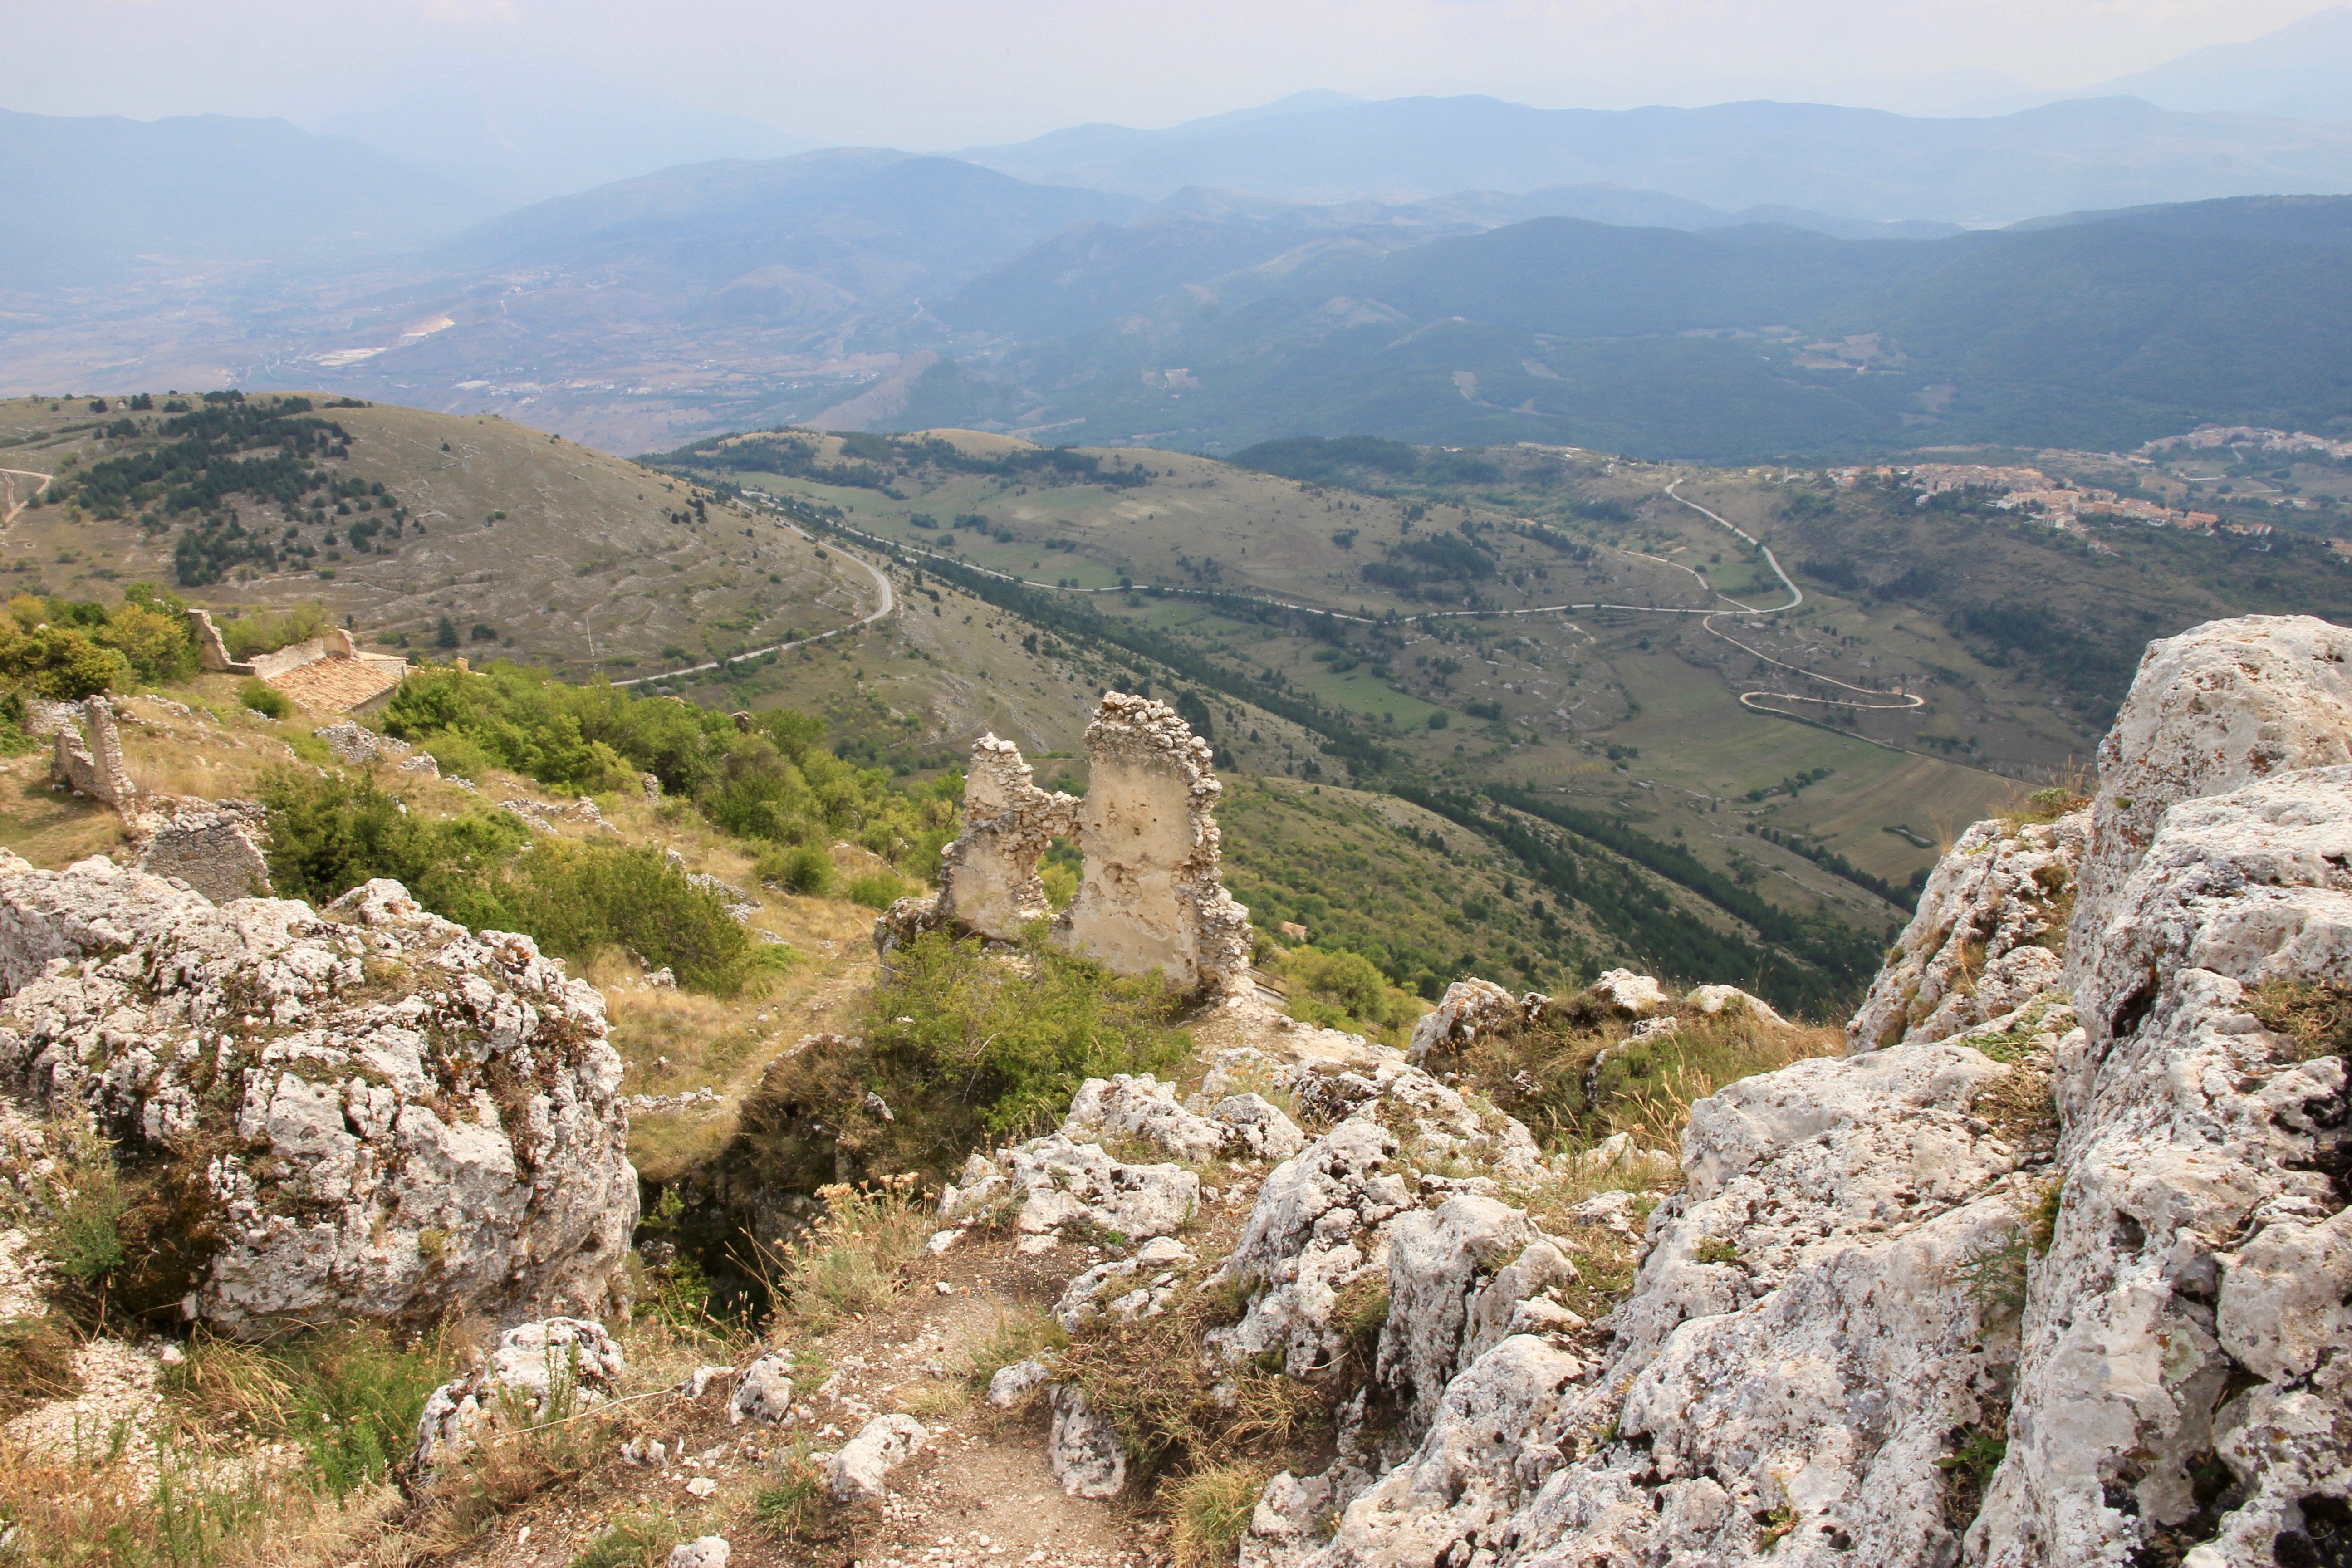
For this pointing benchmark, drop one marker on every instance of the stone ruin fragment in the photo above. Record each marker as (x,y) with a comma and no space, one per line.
(1149,896)
(93,766)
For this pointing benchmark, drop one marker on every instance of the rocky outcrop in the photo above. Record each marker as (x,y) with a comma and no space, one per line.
(1149,898)
(1051,1187)
(1241,1126)
(1986,937)
(370,1112)
(2049,1270)
(2222,705)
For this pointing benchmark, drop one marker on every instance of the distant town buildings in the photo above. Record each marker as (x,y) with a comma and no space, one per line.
(2210,437)
(2061,502)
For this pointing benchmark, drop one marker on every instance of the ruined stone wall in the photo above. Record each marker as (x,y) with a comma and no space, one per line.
(211,652)
(988,877)
(94,765)
(1149,898)
(212,850)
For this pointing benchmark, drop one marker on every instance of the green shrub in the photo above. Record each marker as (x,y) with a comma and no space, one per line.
(807,870)
(61,663)
(774,781)
(484,869)
(327,835)
(264,698)
(85,1238)
(247,635)
(1343,990)
(14,741)
(877,891)
(961,1046)
(575,898)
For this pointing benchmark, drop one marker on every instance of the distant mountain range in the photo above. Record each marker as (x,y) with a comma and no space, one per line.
(1747,278)
(1857,163)
(2303,71)
(87,202)
(520,130)
(1732,344)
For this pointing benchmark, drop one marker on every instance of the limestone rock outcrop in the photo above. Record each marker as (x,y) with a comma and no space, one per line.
(2050,1269)
(1986,937)
(369,1112)
(1241,1126)
(2222,705)
(1149,898)
(1051,1186)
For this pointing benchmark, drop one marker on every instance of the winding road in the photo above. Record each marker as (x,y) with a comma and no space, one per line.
(889,602)
(1755,701)
(1748,700)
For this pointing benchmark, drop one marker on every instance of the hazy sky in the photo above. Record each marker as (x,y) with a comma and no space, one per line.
(944,73)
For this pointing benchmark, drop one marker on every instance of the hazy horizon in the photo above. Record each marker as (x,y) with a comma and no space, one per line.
(924,75)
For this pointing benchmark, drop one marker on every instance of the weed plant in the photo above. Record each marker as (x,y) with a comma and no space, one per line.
(962,1046)
(848,1263)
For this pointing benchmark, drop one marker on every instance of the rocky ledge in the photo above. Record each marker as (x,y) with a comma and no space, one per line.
(365,1112)
(2051,1269)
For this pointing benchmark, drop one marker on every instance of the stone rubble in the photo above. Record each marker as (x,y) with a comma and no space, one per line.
(540,1370)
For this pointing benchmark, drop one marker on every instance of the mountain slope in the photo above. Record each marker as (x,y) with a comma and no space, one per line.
(85,200)
(2303,71)
(1746,341)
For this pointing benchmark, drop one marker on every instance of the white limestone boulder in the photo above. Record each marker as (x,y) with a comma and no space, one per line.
(378,1115)
(1623,993)
(862,1468)
(2224,704)
(1470,1009)
(764,1392)
(1989,935)
(1084,1452)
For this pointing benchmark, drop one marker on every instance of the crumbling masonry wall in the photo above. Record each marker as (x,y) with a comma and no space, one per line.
(988,877)
(94,767)
(1149,898)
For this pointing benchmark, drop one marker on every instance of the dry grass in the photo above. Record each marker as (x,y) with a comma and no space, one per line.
(847,1262)
(1014,1336)
(2315,1015)
(1179,1408)
(1208,1509)
(1577,1084)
